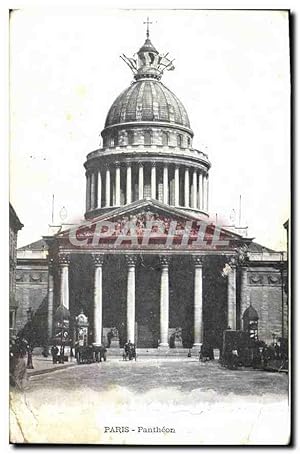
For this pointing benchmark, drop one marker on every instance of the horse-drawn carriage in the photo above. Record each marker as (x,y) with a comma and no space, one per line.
(87,354)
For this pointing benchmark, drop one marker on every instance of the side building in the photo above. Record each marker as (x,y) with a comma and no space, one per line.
(32,288)
(14,226)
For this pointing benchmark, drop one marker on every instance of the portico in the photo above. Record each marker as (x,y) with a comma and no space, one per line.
(146,295)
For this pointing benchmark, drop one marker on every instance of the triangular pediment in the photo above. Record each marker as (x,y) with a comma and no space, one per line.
(149,223)
(137,208)
(145,206)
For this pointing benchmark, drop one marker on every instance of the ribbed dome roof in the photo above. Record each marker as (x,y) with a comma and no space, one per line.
(147,100)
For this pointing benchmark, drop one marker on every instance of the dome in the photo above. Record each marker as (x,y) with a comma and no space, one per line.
(147,100)
(82,319)
(251,313)
(62,313)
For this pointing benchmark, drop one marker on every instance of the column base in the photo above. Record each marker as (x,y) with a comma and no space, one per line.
(97,344)
(195,350)
(163,347)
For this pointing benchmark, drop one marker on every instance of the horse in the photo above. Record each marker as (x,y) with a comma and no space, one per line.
(99,352)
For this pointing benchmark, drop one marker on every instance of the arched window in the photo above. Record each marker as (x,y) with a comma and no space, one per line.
(147,138)
(165,139)
(250,322)
(188,141)
(116,139)
(106,141)
(130,137)
(179,140)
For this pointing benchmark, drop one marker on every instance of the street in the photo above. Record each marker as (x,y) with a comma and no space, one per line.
(129,402)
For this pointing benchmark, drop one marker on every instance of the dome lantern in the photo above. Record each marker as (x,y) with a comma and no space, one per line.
(148,62)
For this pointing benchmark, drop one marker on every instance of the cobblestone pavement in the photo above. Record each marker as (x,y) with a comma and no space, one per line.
(152,401)
(148,373)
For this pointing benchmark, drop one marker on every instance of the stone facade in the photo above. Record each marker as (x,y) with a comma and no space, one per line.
(32,284)
(265,292)
(14,226)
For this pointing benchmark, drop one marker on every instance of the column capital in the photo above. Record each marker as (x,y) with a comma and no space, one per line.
(141,163)
(117,164)
(131,259)
(98,259)
(63,259)
(128,164)
(164,260)
(198,261)
(107,166)
(153,163)
(233,261)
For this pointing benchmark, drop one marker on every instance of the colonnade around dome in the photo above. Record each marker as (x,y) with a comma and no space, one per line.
(121,183)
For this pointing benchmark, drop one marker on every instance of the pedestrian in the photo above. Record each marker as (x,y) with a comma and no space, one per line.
(18,372)
(29,357)
(54,353)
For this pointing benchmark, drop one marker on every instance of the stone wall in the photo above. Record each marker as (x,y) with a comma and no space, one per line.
(31,290)
(147,136)
(264,292)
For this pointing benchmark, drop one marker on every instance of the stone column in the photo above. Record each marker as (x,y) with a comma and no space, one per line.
(165,185)
(141,181)
(99,195)
(153,180)
(198,317)
(107,186)
(118,185)
(131,262)
(186,187)
(204,186)
(50,298)
(164,302)
(207,193)
(231,296)
(98,262)
(176,186)
(203,191)
(128,185)
(194,190)
(93,190)
(88,192)
(245,297)
(200,189)
(64,262)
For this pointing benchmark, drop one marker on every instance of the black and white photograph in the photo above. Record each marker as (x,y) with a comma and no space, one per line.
(149,225)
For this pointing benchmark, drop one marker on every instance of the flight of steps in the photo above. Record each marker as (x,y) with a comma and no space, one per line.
(152,352)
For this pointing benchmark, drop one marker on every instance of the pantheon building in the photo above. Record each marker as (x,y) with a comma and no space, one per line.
(147,263)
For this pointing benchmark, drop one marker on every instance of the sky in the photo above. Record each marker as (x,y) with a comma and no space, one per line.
(231,74)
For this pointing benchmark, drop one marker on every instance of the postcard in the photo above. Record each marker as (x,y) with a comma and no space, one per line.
(149,227)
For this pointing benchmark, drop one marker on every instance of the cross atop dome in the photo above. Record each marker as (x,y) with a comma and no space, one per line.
(148,63)
(148,23)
